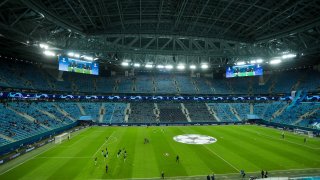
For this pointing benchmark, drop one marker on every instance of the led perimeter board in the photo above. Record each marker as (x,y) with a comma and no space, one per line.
(78,66)
(244,71)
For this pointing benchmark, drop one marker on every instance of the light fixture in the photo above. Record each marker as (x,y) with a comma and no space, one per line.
(240,63)
(125,64)
(169,66)
(287,56)
(89,58)
(71,54)
(259,60)
(204,66)
(275,61)
(48,53)
(43,46)
(181,67)
(193,67)
(149,66)
(160,66)
(136,65)
(76,55)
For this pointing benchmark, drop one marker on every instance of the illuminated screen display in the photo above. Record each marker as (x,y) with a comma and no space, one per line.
(244,71)
(78,66)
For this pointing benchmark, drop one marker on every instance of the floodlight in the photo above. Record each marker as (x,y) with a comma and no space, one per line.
(168,66)
(136,65)
(160,66)
(43,46)
(275,61)
(287,56)
(204,66)
(193,67)
(125,64)
(71,54)
(89,58)
(76,55)
(259,60)
(181,67)
(49,53)
(240,63)
(149,66)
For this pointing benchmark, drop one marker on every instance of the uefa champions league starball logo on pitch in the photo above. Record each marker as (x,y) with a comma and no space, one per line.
(194,139)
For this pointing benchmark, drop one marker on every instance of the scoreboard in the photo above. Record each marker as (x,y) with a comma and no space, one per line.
(78,66)
(244,71)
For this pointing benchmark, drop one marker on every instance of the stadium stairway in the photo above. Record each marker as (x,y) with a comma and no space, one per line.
(185,112)
(234,111)
(28,117)
(211,111)
(64,112)
(102,112)
(156,112)
(278,112)
(81,109)
(127,112)
(301,118)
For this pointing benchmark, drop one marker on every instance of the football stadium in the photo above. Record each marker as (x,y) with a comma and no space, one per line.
(160,89)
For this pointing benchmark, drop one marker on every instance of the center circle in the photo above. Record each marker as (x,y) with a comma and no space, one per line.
(194,139)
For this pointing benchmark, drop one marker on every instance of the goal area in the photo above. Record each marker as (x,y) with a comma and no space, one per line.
(61,137)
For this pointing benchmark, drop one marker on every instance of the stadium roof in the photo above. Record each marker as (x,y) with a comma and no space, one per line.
(189,31)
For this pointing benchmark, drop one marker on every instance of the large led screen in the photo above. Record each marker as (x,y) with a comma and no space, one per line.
(78,66)
(244,71)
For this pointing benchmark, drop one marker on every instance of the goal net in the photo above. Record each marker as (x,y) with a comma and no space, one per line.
(303,132)
(61,137)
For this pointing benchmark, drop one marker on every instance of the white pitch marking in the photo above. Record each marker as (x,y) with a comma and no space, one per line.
(222,159)
(103,144)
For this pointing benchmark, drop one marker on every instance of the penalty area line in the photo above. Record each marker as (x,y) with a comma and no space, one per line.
(103,144)
(222,159)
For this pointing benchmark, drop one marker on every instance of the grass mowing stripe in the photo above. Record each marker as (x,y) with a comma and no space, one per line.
(26,161)
(211,151)
(82,131)
(103,145)
(238,145)
(203,156)
(278,139)
(263,152)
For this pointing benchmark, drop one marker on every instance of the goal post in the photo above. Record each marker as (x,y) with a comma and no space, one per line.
(61,137)
(303,132)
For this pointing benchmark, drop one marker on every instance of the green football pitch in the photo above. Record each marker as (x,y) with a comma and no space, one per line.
(248,147)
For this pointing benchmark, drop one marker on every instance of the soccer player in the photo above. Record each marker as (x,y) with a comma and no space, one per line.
(107,154)
(95,161)
(119,152)
(177,159)
(262,174)
(107,168)
(208,177)
(102,152)
(212,177)
(105,157)
(282,135)
(162,174)
(124,157)
(266,174)
(305,140)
